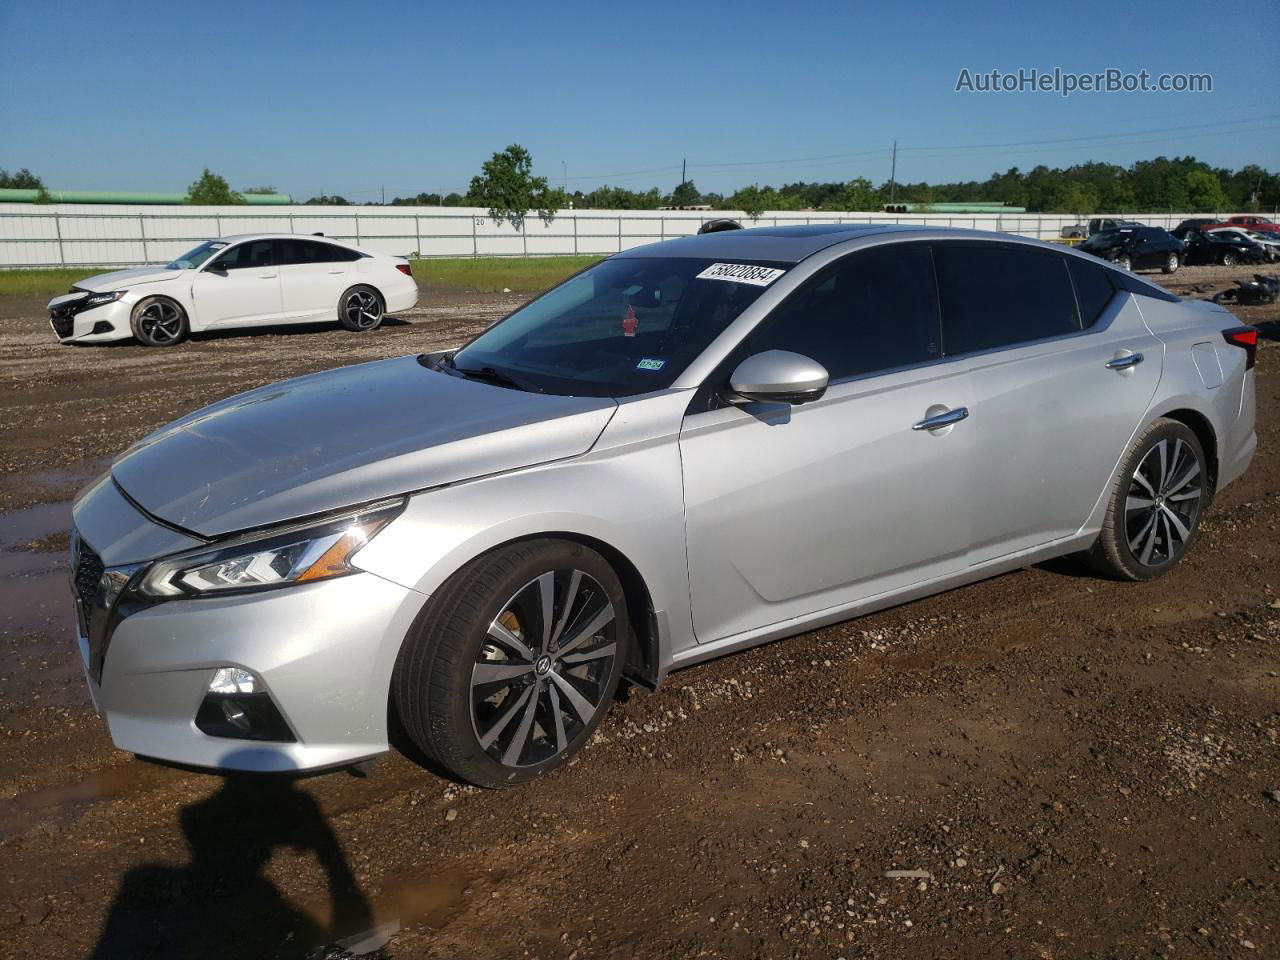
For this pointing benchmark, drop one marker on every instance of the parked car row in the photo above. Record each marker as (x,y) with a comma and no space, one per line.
(1135,246)
(241,281)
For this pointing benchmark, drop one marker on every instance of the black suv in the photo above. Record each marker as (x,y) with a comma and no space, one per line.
(1137,247)
(1214,247)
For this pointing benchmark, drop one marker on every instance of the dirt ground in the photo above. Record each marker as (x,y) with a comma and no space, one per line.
(1067,767)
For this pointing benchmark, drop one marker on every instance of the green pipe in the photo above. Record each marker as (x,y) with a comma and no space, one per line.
(11,195)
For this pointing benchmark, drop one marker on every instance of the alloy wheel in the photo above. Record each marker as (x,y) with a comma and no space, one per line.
(541,674)
(161,322)
(362,309)
(1124,263)
(1163,503)
(1171,263)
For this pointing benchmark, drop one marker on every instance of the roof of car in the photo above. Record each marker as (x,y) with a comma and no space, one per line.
(779,244)
(236,238)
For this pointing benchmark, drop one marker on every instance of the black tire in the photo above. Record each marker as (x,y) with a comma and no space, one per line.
(159,322)
(1171,263)
(361,309)
(1229,260)
(1124,262)
(1141,542)
(478,707)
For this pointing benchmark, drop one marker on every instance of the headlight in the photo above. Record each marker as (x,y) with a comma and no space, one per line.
(316,550)
(101,299)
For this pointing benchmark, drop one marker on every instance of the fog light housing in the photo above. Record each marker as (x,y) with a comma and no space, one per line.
(102,326)
(238,707)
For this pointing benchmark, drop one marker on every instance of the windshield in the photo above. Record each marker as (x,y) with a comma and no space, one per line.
(624,327)
(193,258)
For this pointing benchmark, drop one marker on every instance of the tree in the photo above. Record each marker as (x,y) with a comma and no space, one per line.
(752,200)
(510,190)
(421,200)
(24,179)
(326,200)
(269,188)
(684,195)
(212,190)
(859,194)
(1205,192)
(453,200)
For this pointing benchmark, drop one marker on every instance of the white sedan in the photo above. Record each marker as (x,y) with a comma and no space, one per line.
(243,281)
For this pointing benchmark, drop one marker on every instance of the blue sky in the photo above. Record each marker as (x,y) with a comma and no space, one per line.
(350,97)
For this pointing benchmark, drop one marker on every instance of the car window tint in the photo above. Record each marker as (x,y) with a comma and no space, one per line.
(255,253)
(1093,288)
(996,294)
(874,310)
(335,254)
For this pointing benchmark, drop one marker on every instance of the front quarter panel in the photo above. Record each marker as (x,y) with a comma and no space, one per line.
(625,493)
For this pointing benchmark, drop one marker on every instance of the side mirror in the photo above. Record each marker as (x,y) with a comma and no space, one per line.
(218,268)
(779,376)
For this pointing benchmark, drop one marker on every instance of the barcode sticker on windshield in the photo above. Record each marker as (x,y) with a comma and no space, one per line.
(741,273)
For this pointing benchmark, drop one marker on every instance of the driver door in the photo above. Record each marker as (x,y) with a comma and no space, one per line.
(791,510)
(240,286)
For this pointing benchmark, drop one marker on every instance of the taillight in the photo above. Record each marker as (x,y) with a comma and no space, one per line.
(405,269)
(1247,338)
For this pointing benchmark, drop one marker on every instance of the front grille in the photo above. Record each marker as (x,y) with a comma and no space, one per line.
(63,322)
(86,579)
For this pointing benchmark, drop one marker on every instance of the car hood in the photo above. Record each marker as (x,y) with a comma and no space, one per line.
(352,435)
(123,279)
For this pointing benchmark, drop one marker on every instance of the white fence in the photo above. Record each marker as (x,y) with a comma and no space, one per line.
(96,235)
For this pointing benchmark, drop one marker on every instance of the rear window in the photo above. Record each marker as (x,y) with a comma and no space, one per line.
(1093,288)
(994,295)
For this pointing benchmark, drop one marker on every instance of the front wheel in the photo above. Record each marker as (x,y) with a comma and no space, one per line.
(158,322)
(1171,263)
(1124,262)
(514,662)
(1156,504)
(1229,260)
(360,309)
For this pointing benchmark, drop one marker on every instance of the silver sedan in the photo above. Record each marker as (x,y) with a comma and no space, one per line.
(688,449)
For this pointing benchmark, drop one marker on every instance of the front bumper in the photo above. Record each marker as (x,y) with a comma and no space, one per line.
(323,651)
(95,325)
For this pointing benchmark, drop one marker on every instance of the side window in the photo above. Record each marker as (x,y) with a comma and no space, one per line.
(1093,288)
(256,253)
(874,310)
(996,294)
(335,254)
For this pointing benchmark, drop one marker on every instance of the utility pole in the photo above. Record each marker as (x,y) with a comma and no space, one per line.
(564,171)
(384,196)
(893,172)
(684,166)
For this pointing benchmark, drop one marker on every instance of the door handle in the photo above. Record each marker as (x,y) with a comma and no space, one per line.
(267,276)
(335,271)
(942,419)
(1125,363)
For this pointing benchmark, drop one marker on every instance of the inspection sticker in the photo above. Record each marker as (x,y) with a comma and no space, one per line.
(741,273)
(650,363)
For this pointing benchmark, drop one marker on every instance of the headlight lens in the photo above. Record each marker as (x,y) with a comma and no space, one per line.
(317,550)
(100,299)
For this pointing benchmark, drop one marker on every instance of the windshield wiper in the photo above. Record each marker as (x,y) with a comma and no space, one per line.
(495,376)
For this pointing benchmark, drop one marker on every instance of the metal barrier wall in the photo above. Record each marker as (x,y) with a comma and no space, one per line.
(92,235)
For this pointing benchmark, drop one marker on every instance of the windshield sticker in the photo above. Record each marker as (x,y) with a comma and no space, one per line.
(629,322)
(650,363)
(741,273)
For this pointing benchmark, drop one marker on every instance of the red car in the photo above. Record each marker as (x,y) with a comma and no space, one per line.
(1249,222)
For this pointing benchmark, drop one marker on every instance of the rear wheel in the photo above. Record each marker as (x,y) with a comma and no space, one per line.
(1229,260)
(1156,504)
(158,322)
(1171,263)
(1124,261)
(514,662)
(360,309)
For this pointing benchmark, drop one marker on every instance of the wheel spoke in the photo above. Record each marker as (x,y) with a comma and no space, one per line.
(521,736)
(598,622)
(1175,464)
(1162,450)
(1179,527)
(500,633)
(503,721)
(486,673)
(557,714)
(546,608)
(1138,503)
(1191,473)
(1192,494)
(606,650)
(575,580)
(1149,532)
(583,707)
(1143,481)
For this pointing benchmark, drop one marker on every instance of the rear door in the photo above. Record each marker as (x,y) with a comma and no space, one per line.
(1062,369)
(313,275)
(790,510)
(240,286)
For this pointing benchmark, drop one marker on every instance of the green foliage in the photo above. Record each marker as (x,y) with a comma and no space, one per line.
(24,179)
(684,195)
(508,188)
(1205,192)
(212,190)
(496,274)
(270,188)
(326,200)
(420,200)
(858,194)
(454,200)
